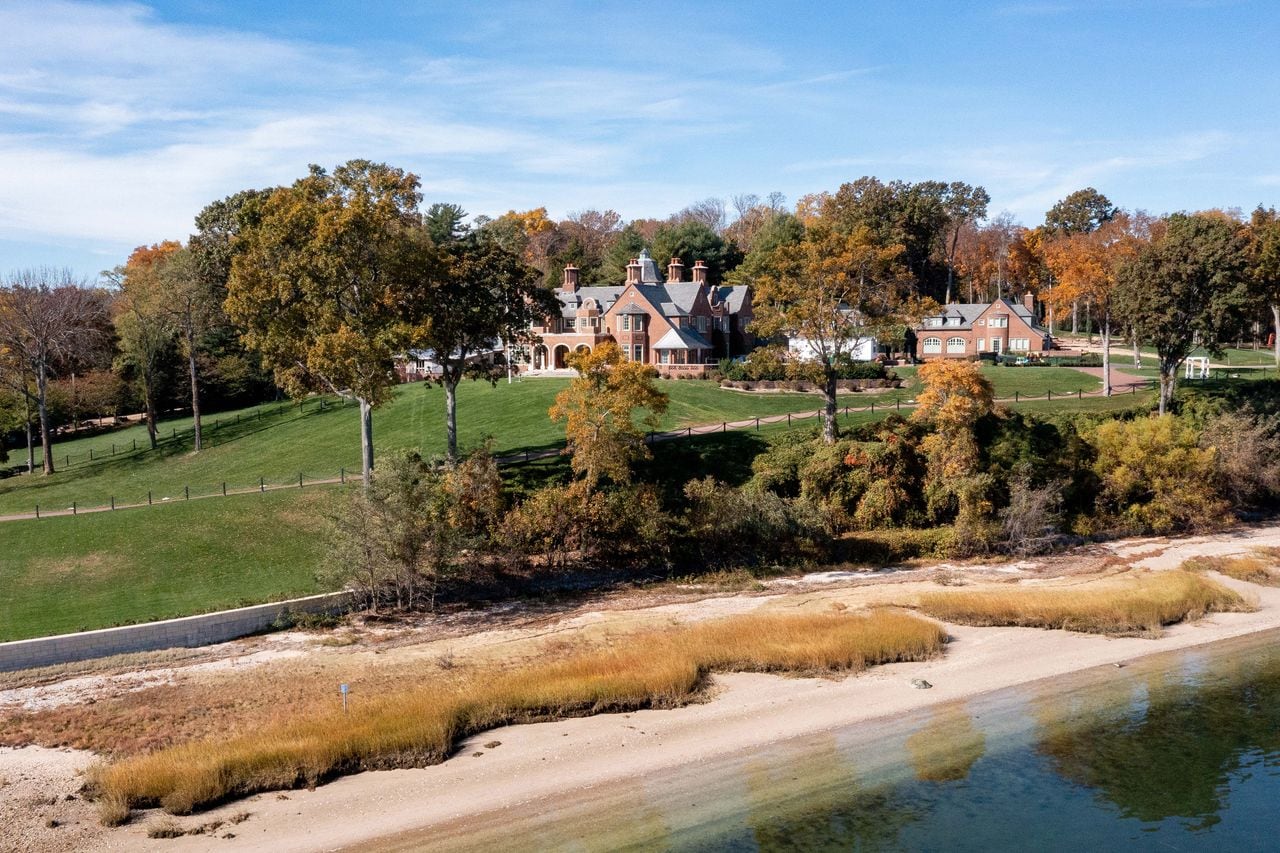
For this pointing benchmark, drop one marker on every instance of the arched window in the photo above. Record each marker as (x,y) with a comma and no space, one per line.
(932,345)
(955,345)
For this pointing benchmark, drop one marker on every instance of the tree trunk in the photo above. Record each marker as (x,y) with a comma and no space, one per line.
(42,403)
(1088,319)
(149,402)
(195,392)
(1137,350)
(1167,378)
(31,446)
(450,415)
(366,443)
(1275,317)
(1075,317)
(1106,354)
(830,430)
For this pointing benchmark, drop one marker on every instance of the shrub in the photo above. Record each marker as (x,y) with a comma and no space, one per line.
(1155,476)
(886,547)
(734,527)
(1246,450)
(395,542)
(1030,522)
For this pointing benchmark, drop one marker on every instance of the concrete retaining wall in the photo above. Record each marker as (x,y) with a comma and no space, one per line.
(188,631)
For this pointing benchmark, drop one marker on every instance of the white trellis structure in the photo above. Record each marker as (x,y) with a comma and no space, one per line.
(1197,367)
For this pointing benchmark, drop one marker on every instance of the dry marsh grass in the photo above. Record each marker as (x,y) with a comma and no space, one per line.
(1260,566)
(421,726)
(1134,603)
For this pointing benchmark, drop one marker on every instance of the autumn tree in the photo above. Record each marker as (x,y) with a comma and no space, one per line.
(474,294)
(1264,264)
(1086,267)
(323,282)
(193,309)
(1080,212)
(832,289)
(143,325)
(1187,286)
(954,396)
(599,410)
(49,320)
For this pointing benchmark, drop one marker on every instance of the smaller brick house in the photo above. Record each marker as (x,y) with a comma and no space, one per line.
(963,330)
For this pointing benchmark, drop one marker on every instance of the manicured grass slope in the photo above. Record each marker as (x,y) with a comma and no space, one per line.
(69,574)
(318,443)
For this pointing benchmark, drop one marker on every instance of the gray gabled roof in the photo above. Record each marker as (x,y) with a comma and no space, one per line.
(969,312)
(734,297)
(679,338)
(604,295)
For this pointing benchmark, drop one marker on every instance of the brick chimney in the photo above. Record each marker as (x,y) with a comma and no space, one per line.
(633,271)
(570,279)
(699,272)
(675,271)
(1029,300)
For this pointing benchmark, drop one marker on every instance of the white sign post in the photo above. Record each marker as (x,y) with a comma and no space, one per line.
(345,689)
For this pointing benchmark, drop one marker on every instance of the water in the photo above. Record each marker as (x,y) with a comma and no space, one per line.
(1176,752)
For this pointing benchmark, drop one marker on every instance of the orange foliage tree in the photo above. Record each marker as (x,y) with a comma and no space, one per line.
(1085,267)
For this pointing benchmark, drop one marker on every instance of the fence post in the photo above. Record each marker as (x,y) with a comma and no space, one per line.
(1133,389)
(186,493)
(757,424)
(873,407)
(897,404)
(37,512)
(224,488)
(175,432)
(262,484)
(113,448)
(1015,396)
(73,507)
(135,444)
(689,432)
(90,454)
(299,479)
(526,456)
(788,419)
(342,476)
(1050,394)
(113,503)
(724,426)
(67,461)
(148,497)
(1079,393)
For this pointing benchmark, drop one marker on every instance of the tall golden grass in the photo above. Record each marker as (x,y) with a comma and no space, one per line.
(1133,603)
(1260,566)
(422,725)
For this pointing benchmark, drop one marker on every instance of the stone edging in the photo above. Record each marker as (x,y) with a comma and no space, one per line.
(187,631)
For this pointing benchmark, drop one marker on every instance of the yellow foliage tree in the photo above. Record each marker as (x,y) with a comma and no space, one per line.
(954,397)
(599,410)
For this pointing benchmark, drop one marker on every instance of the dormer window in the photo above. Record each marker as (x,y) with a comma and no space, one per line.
(953,321)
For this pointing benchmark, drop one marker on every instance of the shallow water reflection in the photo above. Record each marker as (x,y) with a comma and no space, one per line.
(1178,751)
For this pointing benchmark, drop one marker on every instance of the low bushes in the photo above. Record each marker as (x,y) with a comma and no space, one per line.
(1131,604)
(422,725)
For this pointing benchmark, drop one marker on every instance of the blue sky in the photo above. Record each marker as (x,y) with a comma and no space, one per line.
(119,121)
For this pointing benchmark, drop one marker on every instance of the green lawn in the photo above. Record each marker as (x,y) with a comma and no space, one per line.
(70,574)
(1025,381)
(285,441)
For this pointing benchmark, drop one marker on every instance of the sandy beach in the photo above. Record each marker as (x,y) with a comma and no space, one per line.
(527,769)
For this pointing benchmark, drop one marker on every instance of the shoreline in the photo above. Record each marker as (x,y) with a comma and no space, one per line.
(569,765)
(549,767)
